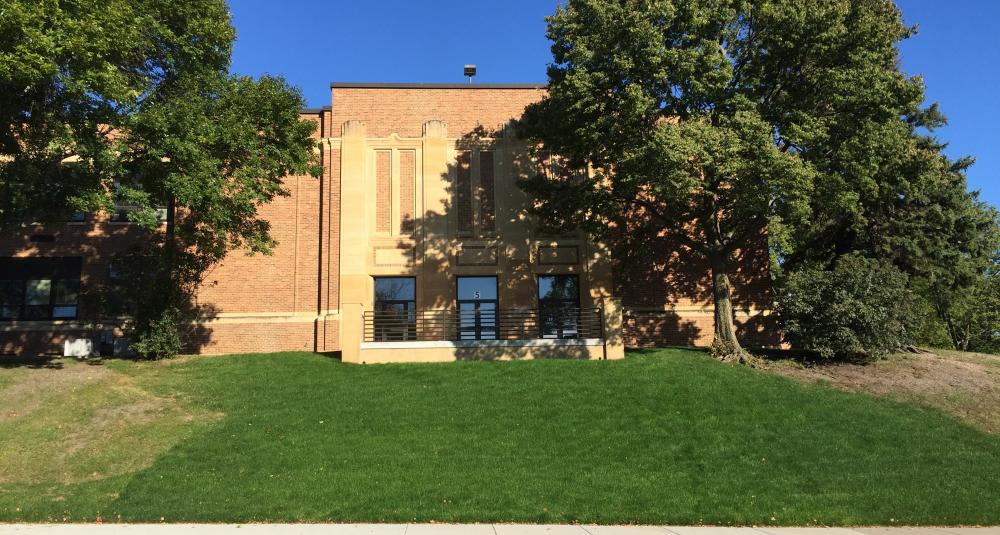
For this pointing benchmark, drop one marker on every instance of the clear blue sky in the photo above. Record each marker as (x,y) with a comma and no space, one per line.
(314,42)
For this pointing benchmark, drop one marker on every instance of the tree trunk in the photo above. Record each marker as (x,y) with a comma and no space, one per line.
(958,341)
(725,345)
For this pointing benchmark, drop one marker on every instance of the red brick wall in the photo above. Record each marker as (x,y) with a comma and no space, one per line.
(405,110)
(95,241)
(226,338)
(407,185)
(383,190)
(463,191)
(668,297)
(330,284)
(301,276)
(646,328)
(298,278)
(486,191)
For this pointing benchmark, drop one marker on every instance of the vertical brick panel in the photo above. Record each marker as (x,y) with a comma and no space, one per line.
(383,190)
(407,178)
(486,191)
(463,191)
(333,283)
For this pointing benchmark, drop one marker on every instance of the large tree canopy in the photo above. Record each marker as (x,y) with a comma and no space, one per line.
(130,102)
(711,121)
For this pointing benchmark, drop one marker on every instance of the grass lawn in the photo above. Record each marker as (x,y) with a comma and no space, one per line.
(666,436)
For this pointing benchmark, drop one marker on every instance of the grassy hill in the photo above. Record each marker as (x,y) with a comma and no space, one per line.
(666,436)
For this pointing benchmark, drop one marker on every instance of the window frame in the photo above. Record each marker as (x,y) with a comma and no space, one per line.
(387,328)
(57,276)
(565,326)
(478,329)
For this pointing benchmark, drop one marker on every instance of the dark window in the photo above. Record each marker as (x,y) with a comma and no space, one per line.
(117,301)
(477,308)
(123,207)
(559,306)
(395,309)
(77,217)
(39,288)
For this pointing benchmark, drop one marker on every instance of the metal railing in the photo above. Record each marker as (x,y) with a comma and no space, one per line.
(488,324)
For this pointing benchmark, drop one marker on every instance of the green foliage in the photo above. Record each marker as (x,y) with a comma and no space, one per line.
(160,338)
(860,307)
(711,121)
(73,71)
(969,317)
(130,102)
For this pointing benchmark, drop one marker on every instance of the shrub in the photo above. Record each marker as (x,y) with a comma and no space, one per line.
(161,337)
(859,308)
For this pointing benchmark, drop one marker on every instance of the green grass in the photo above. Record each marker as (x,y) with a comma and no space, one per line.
(662,437)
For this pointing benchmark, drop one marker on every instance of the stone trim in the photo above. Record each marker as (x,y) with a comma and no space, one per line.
(541,342)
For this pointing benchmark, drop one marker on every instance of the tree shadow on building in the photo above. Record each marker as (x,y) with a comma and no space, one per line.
(444,247)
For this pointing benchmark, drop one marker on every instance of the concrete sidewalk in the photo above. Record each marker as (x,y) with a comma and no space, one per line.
(459,529)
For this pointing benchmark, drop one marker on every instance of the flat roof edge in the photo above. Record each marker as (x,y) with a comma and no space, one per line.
(314,110)
(395,85)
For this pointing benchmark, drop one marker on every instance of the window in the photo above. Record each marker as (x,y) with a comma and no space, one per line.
(39,288)
(77,217)
(463,191)
(123,208)
(395,309)
(477,308)
(475,192)
(558,306)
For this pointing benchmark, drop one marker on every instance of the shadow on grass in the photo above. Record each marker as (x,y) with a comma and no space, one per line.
(333,355)
(641,351)
(803,357)
(811,358)
(31,362)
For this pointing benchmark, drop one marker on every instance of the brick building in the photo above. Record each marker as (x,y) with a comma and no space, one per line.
(414,244)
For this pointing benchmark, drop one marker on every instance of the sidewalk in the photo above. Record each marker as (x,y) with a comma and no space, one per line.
(458,529)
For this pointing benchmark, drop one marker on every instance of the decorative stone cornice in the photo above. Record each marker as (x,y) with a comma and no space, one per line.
(435,128)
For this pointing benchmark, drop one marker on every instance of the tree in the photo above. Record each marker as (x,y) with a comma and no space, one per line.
(716,121)
(971,314)
(129,102)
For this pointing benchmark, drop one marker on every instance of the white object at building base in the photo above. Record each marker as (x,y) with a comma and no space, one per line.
(78,347)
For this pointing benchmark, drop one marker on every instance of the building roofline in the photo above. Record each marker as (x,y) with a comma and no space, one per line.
(393,85)
(315,110)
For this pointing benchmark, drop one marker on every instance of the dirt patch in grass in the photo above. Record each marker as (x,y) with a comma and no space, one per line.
(84,422)
(26,389)
(966,385)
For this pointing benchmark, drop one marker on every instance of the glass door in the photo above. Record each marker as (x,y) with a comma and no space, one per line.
(395,309)
(559,306)
(477,308)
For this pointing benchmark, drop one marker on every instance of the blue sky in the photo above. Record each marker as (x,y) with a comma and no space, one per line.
(314,42)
